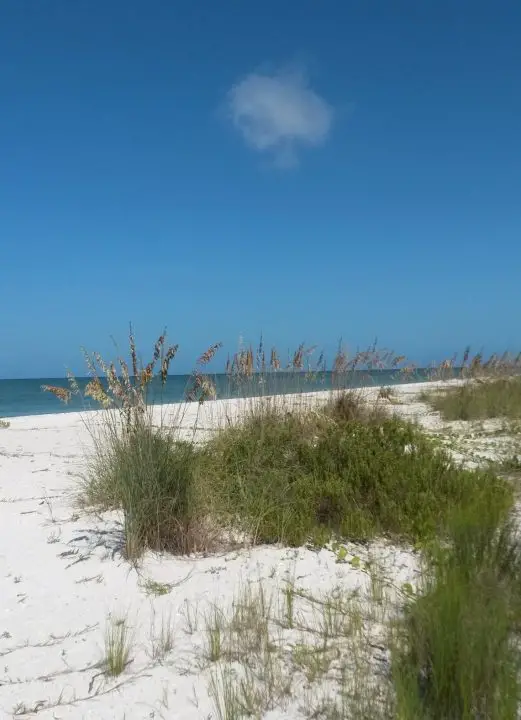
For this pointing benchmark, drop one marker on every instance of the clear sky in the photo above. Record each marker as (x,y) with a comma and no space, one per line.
(306,169)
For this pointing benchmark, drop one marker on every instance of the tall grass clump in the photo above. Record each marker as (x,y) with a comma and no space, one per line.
(298,476)
(150,475)
(457,654)
(137,463)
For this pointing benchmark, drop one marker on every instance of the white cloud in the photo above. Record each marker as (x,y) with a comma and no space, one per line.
(279,113)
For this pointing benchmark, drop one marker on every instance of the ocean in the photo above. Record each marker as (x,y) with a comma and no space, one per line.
(26,397)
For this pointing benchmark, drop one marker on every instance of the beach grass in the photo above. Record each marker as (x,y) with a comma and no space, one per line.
(118,646)
(169,490)
(457,654)
(264,661)
(454,650)
(478,399)
(162,637)
(150,475)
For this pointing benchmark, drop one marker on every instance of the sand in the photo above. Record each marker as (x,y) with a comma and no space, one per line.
(63,582)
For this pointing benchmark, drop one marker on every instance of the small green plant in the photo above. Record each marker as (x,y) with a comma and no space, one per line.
(289,605)
(313,661)
(386,393)
(163,638)
(118,645)
(191,617)
(215,623)
(377,582)
(509,464)
(408,590)
(341,554)
(152,587)
(250,620)
(4,424)
(250,677)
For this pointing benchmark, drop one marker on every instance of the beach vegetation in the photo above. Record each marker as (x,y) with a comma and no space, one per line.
(486,388)
(287,472)
(342,470)
(478,399)
(294,471)
(455,653)
(163,636)
(118,646)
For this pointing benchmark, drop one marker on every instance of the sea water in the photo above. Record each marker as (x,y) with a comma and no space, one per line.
(26,397)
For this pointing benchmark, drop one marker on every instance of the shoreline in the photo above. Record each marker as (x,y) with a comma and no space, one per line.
(406,388)
(38,395)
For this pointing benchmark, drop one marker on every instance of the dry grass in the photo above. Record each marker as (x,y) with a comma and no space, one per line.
(314,659)
(113,386)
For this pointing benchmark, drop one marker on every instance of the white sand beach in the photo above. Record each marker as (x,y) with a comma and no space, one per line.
(62,579)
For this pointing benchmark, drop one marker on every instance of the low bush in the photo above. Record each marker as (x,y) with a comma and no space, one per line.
(297,477)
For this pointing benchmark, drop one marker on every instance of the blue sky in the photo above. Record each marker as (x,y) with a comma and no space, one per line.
(306,169)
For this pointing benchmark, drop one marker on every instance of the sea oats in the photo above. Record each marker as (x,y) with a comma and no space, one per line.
(209,354)
(274,360)
(62,394)
(133,354)
(165,364)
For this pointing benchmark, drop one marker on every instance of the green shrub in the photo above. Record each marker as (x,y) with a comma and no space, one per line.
(292,477)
